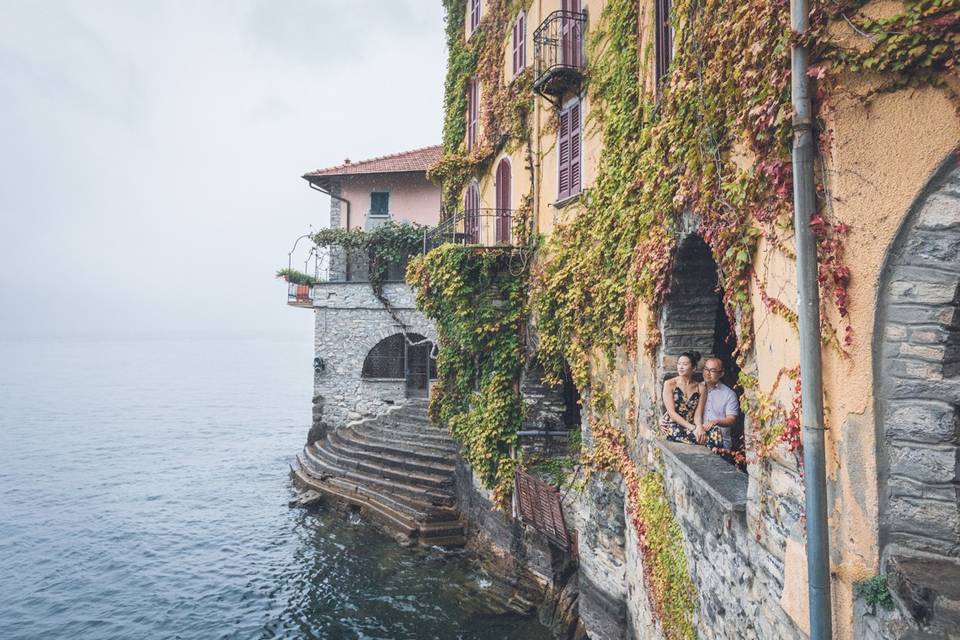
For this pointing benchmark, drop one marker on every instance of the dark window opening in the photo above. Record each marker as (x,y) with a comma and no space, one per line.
(403,358)
(474,15)
(473,108)
(664,40)
(379,203)
(386,359)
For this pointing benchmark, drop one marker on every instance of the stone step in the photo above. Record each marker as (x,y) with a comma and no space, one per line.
(451,541)
(331,487)
(387,457)
(373,443)
(319,466)
(415,511)
(407,439)
(441,529)
(438,439)
(425,480)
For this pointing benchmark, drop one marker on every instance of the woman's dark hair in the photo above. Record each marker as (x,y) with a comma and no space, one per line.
(692,356)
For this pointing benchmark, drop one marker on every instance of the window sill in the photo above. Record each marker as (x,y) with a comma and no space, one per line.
(709,471)
(383,380)
(569,200)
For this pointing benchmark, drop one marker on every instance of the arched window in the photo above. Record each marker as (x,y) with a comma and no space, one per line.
(503,202)
(471,213)
(386,359)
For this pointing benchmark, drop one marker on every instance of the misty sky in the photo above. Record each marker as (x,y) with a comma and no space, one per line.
(151,151)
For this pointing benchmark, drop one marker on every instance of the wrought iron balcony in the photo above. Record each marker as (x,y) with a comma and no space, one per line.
(477,227)
(558,52)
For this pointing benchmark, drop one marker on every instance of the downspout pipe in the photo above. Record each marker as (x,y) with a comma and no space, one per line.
(808,311)
(315,187)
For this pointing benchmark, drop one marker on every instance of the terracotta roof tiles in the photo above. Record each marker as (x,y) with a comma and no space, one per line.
(415,160)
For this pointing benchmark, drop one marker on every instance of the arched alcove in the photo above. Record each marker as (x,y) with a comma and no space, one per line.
(397,357)
(693,317)
(916,348)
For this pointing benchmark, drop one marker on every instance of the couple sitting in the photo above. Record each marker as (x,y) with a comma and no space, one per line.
(699,412)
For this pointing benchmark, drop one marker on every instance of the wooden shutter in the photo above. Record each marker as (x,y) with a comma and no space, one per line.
(471,214)
(570,40)
(664,39)
(520,43)
(563,155)
(472,109)
(503,202)
(575,148)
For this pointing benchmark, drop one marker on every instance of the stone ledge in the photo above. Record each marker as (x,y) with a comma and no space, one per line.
(716,476)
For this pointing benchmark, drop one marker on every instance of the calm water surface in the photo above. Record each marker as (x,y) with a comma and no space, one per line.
(143,494)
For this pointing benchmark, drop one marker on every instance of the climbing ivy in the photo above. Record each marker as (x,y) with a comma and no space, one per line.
(504,108)
(670,590)
(478,299)
(713,146)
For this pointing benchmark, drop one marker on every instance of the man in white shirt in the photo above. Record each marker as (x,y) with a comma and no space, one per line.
(722,407)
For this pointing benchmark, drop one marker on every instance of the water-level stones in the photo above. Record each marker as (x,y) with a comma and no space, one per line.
(397,467)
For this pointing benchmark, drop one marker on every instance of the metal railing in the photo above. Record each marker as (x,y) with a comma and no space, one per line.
(480,227)
(558,51)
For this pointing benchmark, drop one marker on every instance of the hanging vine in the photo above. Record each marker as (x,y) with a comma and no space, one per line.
(478,299)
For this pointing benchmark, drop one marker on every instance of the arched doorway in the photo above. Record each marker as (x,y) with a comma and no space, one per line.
(407,358)
(916,347)
(503,202)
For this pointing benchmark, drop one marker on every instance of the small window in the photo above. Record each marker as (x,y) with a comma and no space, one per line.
(664,42)
(473,108)
(474,15)
(379,203)
(520,43)
(568,152)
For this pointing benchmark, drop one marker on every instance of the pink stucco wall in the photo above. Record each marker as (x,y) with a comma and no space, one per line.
(413,198)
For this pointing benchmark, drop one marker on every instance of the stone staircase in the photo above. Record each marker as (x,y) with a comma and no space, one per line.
(398,468)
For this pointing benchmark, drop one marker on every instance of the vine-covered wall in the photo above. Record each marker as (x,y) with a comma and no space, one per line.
(710,154)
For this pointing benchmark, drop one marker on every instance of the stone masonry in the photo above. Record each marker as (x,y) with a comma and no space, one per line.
(917,356)
(350,321)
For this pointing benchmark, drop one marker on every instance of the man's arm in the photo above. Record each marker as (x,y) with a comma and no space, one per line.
(731,410)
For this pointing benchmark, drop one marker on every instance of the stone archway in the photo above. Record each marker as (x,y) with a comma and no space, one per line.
(693,316)
(916,347)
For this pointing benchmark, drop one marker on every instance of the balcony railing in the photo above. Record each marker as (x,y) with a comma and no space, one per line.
(558,52)
(479,227)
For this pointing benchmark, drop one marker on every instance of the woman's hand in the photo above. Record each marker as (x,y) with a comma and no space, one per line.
(700,434)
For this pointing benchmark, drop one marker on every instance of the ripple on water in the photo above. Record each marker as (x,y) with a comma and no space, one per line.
(143,491)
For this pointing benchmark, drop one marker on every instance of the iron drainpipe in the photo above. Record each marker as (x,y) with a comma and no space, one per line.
(324,191)
(808,310)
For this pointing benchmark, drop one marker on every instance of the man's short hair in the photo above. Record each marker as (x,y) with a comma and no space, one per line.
(720,360)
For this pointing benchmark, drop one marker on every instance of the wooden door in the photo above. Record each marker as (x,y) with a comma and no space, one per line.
(503,203)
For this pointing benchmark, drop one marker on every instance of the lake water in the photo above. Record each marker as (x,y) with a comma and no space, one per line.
(143,494)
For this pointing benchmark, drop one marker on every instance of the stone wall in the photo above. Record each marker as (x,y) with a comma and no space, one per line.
(350,321)
(917,367)
(527,573)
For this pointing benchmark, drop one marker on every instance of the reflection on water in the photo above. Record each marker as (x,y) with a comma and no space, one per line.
(143,491)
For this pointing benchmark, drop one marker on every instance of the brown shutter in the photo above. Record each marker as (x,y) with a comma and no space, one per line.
(516,46)
(503,202)
(575,148)
(472,109)
(563,155)
(522,40)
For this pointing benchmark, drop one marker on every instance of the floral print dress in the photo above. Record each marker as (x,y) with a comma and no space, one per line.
(687,408)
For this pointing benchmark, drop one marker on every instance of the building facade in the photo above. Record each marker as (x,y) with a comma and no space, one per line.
(372,348)
(649,142)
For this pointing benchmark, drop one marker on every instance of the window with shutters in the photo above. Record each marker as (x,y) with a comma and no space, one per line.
(379,203)
(569,142)
(503,214)
(473,108)
(474,15)
(664,40)
(471,213)
(520,43)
